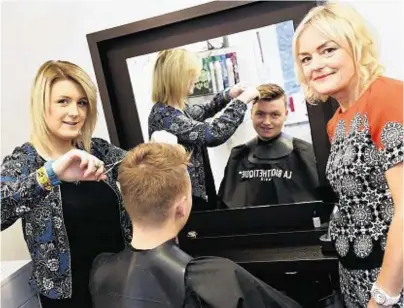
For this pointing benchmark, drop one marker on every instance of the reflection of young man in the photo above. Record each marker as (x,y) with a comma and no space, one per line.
(273,167)
(153,271)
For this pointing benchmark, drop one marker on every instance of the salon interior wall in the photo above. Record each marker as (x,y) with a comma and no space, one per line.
(38,30)
(35,31)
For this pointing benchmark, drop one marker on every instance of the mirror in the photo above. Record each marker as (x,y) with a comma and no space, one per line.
(257,56)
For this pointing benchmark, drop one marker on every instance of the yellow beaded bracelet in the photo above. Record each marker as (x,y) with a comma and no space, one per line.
(43,179)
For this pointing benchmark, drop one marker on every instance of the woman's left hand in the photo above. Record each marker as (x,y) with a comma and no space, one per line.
(163,137)
(237,89)
(78,165)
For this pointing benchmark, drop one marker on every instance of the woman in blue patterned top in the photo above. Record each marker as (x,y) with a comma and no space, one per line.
(174,76)
(71,210)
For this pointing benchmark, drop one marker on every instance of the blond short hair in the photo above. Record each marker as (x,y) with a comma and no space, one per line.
(271,91)
(47,75)
(152,176)
(346,27)
(173,72)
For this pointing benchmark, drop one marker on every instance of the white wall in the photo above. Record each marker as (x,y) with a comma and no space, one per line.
(385,18)
(36,31)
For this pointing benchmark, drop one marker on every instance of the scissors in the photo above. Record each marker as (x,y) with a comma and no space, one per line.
(109,167)
(157,136)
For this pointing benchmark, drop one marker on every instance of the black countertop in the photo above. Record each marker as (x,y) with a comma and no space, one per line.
(296,258)
(278,254)
(276,237)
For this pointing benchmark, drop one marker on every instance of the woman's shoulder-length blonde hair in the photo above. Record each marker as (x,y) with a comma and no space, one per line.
(173,73)
(342,24)
(47,75)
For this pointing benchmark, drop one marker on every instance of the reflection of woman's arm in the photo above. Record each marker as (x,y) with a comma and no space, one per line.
(189,131)
(203,111)
(391,274)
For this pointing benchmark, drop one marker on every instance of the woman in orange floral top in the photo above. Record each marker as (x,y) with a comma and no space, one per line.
(335,57)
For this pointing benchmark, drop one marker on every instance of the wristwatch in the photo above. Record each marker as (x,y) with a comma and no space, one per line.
(382,298)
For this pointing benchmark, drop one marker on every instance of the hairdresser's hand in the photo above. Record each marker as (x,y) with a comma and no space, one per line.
(163,137)
(249,95)
(237,89)
(78,165)
(372,304)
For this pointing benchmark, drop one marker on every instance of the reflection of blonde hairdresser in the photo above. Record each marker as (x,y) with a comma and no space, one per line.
(174,76)
(335,56)
(71,209)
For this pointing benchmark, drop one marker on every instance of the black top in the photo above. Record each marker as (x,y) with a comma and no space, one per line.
(154,278)
(220,283)
(290,178)
(91,216)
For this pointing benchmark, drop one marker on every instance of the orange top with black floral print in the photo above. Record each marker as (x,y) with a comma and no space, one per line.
(366,140)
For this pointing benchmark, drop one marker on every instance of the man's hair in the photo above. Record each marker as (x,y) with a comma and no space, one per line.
(270,91)
(152,176)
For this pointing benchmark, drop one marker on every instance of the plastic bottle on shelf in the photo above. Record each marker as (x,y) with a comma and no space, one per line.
(218,74)
(291,104)
(233,57)
(212,75)
(230,72)
(316,220)
(225,75)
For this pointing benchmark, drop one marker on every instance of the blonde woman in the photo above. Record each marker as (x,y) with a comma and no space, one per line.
(174,76)
(335,57)
(71,210)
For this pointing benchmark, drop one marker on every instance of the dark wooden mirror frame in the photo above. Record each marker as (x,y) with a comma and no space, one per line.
(111,48)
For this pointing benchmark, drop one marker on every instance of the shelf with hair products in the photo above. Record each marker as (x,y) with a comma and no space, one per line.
(219,71)
(255,57)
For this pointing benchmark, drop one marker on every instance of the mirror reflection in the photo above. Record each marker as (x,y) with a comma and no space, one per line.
(269,158)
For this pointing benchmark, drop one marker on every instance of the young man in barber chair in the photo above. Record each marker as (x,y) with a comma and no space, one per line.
(154,271)
(273,167)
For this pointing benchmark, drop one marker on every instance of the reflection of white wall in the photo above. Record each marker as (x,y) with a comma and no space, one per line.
(272,63)
(387,27)
(140,72)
